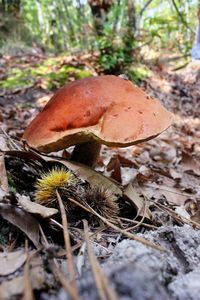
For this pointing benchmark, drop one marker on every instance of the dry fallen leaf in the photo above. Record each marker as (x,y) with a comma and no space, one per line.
(11,288)
(21,219)
(15,287)
(172,194)
(190,164)
(196,217)
(82,171)
(115,168)
(11,261)
(174,174)
(35,208)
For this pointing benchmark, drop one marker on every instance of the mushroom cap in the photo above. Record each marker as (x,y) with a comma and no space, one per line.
(106,108)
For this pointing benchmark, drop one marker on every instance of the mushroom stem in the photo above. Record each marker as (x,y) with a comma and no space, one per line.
(86,153)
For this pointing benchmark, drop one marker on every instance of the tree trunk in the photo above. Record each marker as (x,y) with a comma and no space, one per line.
(100,10)
(129,36)
(11,7)
(72,35)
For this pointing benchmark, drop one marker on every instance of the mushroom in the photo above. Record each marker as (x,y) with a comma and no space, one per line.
(98,110)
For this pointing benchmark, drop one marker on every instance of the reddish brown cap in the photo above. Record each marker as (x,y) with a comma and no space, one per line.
(108,109)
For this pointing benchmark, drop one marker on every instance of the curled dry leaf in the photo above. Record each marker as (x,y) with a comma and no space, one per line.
(137,201)
(35,208)
(115,168)
(21,219)
(11,261)
(196,217)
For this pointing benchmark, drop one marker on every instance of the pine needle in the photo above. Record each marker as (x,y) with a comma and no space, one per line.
(69,253)
(104,289)
(123,231)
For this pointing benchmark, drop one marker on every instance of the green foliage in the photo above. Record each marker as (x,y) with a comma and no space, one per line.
(56,79)
(69,25)
(17,78)
(112,57)
(13,29)
(116,52)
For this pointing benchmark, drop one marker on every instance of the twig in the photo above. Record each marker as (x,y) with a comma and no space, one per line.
(103,286)
(43,235)
(143,217)
(145,6)
(69,254)
(79,204)
(128,234)
(181,17)
(28,291)
(136,222)
(54,222)
(67,285)
(12,141)
(79,244)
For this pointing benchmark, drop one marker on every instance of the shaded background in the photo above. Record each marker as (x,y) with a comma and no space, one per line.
(120,32)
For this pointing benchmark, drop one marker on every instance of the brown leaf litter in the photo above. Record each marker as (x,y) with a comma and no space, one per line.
(160,178)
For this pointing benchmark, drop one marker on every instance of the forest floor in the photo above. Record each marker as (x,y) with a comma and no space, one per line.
(164,175)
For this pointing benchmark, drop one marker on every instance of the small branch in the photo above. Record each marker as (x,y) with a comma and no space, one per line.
(145,6)
(181,16)
(176,216)
(28,291)
(137,222)
(130,235)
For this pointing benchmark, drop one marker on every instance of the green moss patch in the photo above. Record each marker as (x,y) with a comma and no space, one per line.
(139,73)
(49,74)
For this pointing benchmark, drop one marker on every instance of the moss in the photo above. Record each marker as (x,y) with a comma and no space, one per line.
(138,73)
(82,74)
(61,76)
(47,72)
(16,78)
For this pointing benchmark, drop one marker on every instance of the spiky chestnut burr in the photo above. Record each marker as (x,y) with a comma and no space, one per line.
(59,179)
(98,198)
(102,201)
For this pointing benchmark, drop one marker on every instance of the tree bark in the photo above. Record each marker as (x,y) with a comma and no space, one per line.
(100,10)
